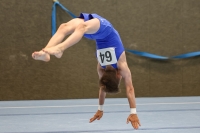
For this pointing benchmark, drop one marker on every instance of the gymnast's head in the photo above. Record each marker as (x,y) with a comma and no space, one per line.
(110,80)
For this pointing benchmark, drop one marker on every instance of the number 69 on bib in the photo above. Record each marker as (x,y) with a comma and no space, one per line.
(106,56)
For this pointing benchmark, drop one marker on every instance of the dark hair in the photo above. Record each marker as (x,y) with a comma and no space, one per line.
(109,81)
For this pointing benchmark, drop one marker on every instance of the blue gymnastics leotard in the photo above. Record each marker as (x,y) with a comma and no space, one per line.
(106,36)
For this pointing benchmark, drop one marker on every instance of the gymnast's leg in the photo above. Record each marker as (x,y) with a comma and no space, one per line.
(88,27)
(64,30)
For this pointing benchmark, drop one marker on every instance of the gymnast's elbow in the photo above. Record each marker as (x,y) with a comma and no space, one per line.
(130,90)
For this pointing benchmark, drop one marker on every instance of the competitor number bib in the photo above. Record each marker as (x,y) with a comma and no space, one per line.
(106,56)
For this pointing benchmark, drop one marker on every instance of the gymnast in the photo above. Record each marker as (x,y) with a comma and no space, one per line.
(112,65)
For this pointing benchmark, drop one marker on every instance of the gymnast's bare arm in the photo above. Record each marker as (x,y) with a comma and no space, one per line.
(126,74)
(102,95)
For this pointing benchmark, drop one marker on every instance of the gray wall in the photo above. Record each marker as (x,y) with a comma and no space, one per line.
(164,27)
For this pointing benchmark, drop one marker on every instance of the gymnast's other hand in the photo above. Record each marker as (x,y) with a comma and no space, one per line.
(134,121)
(97,116)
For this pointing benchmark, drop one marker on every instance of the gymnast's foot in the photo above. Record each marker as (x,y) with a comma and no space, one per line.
(54,51)
(41,55)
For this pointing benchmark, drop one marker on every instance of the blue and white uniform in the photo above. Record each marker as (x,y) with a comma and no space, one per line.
(108,43)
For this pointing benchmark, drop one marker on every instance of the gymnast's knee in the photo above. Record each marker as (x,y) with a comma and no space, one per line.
(82,27)
(64,28)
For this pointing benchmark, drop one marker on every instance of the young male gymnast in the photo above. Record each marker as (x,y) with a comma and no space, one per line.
(112,65)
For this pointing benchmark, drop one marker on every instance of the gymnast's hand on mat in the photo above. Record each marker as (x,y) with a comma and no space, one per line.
(97,116)
(134,121)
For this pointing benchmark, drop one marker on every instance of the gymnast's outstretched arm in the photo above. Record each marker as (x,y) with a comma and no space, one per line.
(102,95)
(126,74)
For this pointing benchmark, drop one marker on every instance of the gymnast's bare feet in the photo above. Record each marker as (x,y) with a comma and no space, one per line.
(41,55)
(54,51)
